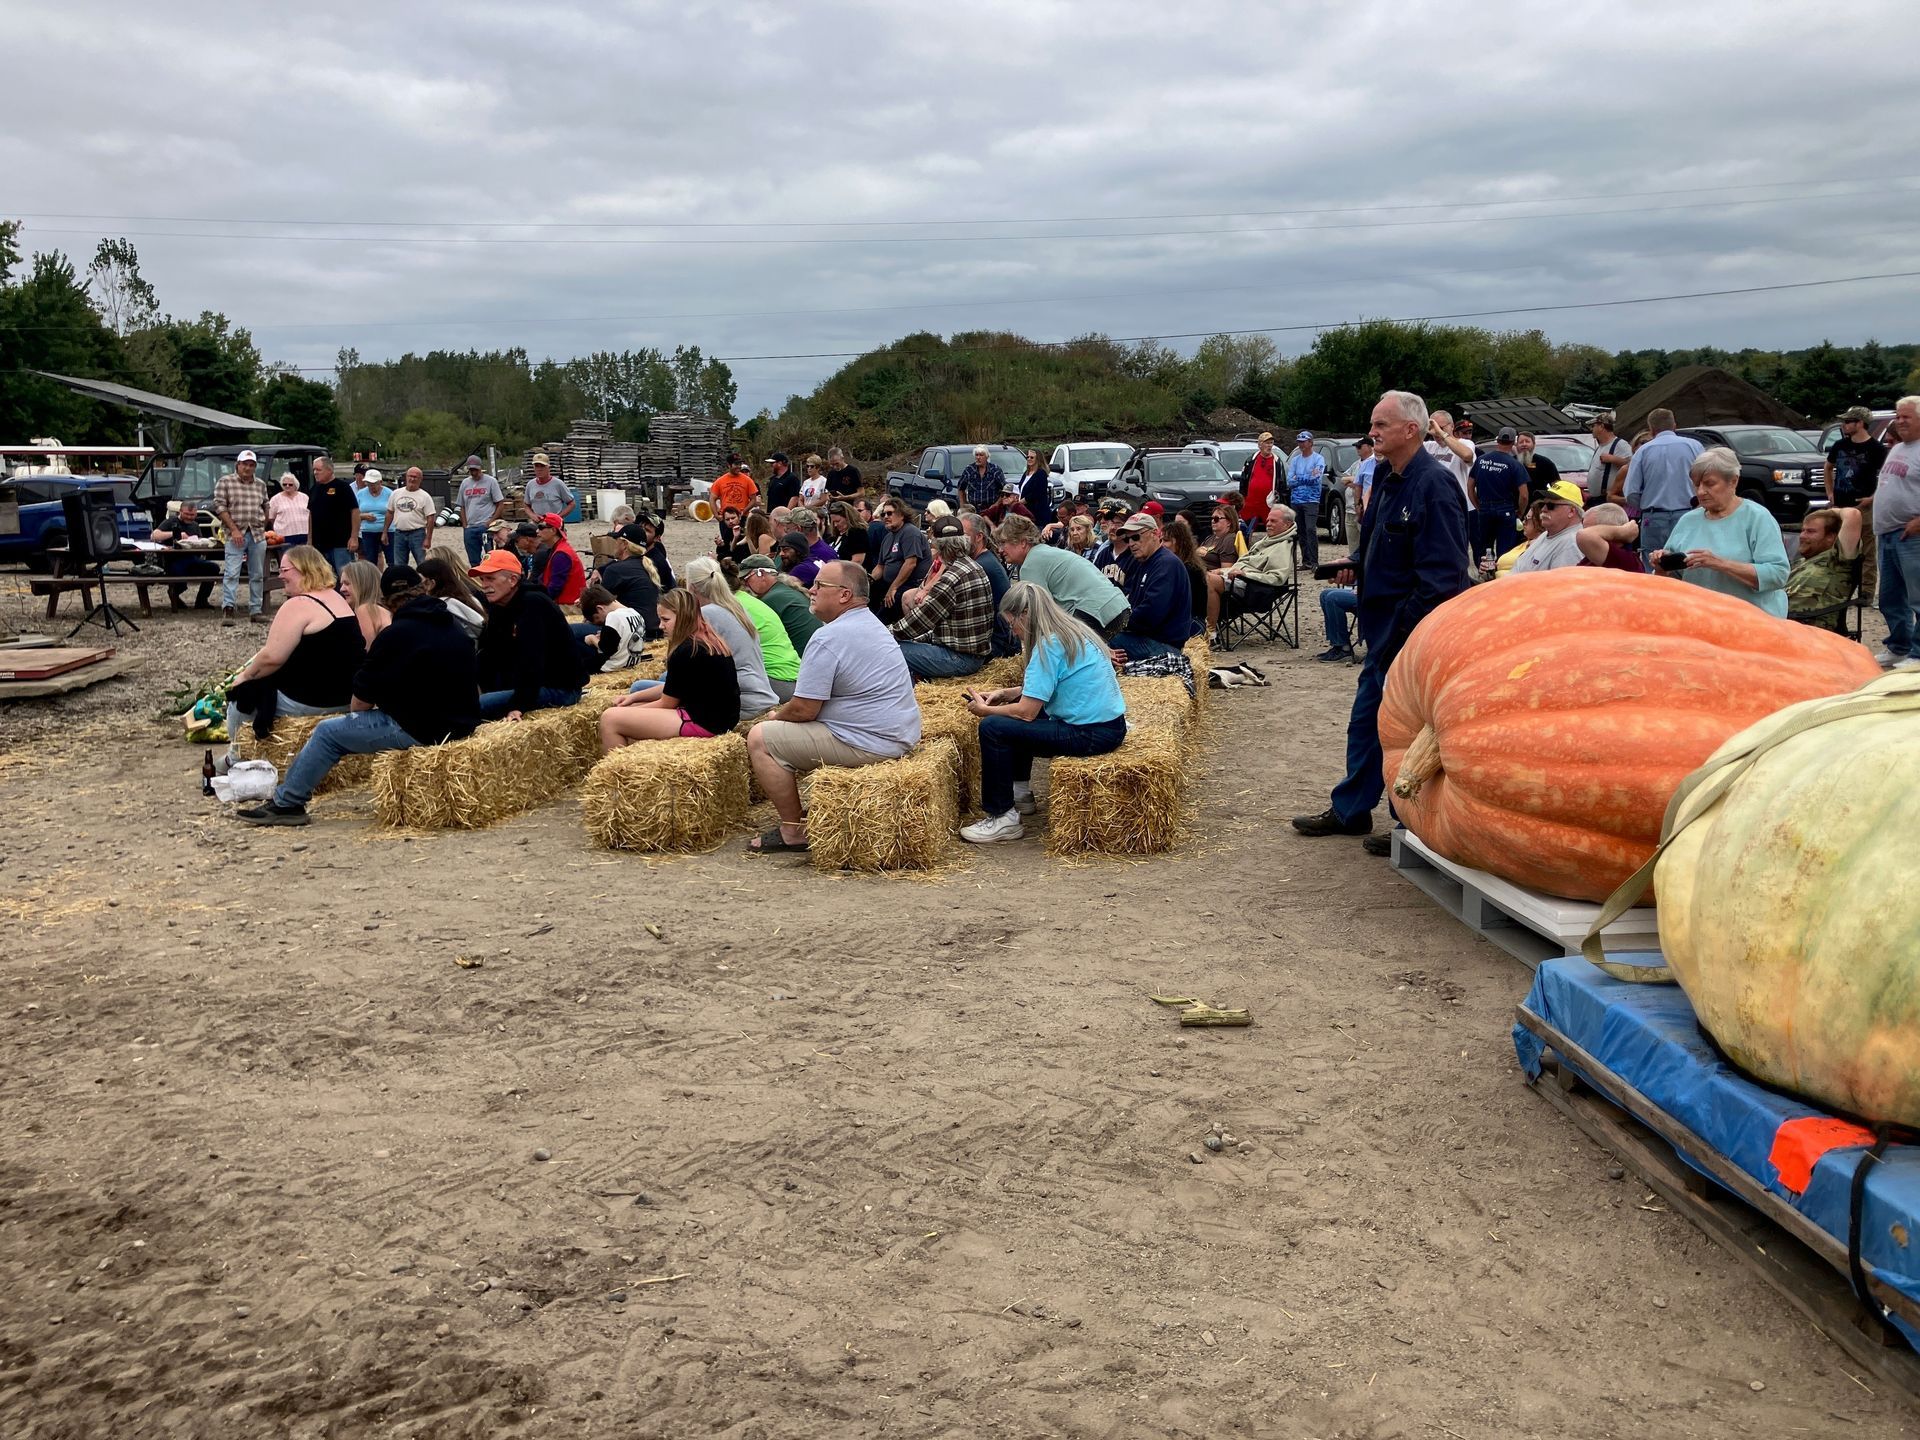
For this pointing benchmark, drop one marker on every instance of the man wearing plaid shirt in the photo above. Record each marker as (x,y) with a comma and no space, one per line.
(950,632)
(240,500)
(982,481)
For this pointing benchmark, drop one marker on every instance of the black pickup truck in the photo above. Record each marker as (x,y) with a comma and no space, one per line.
(937,475)
(1779,468)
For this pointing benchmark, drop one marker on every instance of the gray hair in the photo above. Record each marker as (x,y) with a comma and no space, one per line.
(952,547)
(1908,402)
(1047,619)
(981,450)
(1718,460)
(850,575)
(1658,420)
(836,453)
(1017,530)
(322,462)
(1410,406)
(1286,510)
(1607,514)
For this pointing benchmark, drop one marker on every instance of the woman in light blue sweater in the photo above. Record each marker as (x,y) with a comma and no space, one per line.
(1728,544)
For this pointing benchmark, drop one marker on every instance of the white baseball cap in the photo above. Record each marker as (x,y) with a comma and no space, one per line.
(245,456)
(373,477)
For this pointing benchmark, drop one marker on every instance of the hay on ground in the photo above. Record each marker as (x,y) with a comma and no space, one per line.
(898,815)
(1129,802)
(667,795)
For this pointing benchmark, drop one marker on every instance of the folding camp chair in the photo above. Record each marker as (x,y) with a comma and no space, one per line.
(1846,617)
(1263,613)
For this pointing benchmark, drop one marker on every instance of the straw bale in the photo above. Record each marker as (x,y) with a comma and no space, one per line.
(897,815)
(667,795)
(504,768)
(1128,802)
(1158,701)
(994,675)
(290,733)
(1200,654)
(944,713)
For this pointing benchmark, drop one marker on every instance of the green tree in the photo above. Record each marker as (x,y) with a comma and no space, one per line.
(1587,384)
(123,296)
(303,409)
(1819,385)
(47,323)
(702,385)
(218,362)
(1336,383)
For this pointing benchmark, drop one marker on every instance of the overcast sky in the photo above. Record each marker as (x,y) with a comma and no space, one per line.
(1310,153)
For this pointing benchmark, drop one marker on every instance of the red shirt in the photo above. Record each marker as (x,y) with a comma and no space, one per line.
(1621,557)
(1259,490)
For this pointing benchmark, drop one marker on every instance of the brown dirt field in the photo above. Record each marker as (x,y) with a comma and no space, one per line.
(906,1156)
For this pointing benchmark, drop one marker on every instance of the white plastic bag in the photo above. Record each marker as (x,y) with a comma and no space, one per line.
(248,781)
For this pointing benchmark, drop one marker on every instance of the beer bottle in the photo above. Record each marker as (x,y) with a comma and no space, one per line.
(206,774)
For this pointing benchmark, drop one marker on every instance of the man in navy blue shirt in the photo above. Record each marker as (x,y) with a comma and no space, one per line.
(1158,590)
(1498,485)
(1411,558)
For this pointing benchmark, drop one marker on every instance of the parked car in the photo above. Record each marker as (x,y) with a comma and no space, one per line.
(40,523)
(1185,482)
(1778,468)
(1236,456)
(937,474)
(1082,468)
(1876,427)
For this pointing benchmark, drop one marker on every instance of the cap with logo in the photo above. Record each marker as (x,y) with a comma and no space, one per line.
(758,562)
(1507,435)
(1567,491)
(474,463)
(1304,435)
(247,457)
(944,526)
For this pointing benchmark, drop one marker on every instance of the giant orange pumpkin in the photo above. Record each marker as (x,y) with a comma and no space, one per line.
(1535,727)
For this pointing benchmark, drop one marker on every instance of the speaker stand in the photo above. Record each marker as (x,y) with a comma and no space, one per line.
(106,614)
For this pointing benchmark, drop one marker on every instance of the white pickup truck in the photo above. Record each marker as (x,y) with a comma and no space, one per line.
(1084,467)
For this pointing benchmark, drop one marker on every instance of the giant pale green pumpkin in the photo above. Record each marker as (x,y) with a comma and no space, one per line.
(1790,903)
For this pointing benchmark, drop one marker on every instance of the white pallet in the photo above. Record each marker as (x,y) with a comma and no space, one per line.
(1525,923)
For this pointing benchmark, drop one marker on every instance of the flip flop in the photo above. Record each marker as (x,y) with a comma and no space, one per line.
(771,842)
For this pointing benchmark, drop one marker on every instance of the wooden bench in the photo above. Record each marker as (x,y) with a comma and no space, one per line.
(54,586)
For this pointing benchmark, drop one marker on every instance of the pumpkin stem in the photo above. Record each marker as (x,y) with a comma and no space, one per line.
(1419,765)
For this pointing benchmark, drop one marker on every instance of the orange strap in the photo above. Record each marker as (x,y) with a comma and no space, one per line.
(1799,1144)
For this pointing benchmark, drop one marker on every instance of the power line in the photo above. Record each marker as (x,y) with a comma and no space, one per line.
(793,241)
(855,224)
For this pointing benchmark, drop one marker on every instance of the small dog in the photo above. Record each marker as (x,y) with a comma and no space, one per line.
(1226,677)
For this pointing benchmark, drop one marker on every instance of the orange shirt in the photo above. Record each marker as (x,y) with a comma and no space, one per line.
(735,492)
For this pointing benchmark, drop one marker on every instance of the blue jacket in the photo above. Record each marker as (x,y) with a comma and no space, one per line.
(1162,598)
(1412,552)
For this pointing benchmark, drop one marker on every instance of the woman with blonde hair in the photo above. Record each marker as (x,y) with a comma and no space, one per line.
(312,650)
(1067,703)
(729,621)
(360,583)
(1080,537)
(813,489)
(698,697)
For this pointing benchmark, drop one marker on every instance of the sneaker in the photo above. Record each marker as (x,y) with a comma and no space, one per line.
(274,813)
(1328,823)
(1378,844)
(1912,662)
(993,828)
(1335,652)
(226,615)
(1885,658)
(260,617)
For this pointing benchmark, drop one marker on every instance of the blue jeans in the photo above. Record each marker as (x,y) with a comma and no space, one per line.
(364,732)
(496,703)
(641,686)
(252,549)
(1360,791)
(1007,748)
(927,661)
(1655,527)
(476,537)
(340,557)
(1141,647)
(236,717)
(1337,603)
(1899,589)
(406,547)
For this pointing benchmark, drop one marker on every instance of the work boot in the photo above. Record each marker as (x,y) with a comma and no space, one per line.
(227,615)
(1328,823)
(260,617)
(1378,844)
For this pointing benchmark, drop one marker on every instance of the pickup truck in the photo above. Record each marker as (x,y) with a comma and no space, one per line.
(937,475)
(33,520)
(1778,467)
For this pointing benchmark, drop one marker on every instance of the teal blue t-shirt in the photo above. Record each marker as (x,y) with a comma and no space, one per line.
(1750,534)
(373,508)
(1083,693)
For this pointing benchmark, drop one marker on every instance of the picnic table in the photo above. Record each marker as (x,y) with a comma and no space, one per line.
(63,582)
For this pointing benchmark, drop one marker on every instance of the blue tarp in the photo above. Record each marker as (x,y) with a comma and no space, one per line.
(1648,1036)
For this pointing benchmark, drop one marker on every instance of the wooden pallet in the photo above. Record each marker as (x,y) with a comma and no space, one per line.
(1526,924)
(1801,1261)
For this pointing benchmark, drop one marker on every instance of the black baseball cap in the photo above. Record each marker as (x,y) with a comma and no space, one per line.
(780,456)
(632,533)
(399,577)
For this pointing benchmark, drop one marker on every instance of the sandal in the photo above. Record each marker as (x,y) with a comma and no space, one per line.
(773,842)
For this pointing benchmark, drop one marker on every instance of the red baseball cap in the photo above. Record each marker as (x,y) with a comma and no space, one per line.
(1154,507)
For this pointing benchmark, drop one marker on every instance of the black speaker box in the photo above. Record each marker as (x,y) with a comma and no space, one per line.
(93,526)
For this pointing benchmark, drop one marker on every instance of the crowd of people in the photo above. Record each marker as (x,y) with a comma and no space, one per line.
(821,605)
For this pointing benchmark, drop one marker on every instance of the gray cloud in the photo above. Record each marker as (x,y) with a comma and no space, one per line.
(792,115)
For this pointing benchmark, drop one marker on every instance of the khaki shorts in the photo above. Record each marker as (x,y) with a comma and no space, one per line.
(803,746)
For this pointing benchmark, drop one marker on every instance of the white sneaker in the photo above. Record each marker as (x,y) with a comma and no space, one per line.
(1912,662)
(995,827)
(1884,658)
(1023,802)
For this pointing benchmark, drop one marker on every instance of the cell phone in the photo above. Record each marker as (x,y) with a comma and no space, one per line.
(1673,560)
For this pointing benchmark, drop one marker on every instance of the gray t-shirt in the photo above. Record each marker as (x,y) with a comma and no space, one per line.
(1898,499)
(854,668)
(1073,582)
(552,497)
(1550,552)
(749,667)
(479,498)
(1599,474)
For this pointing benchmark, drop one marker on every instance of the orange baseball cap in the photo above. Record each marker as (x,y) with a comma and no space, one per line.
(496,561)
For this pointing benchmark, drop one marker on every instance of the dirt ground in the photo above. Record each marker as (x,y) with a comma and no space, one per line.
(719,1146)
